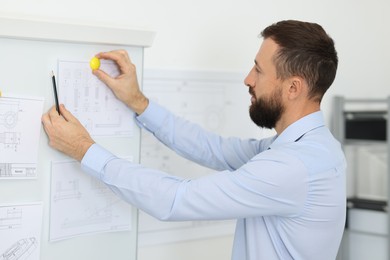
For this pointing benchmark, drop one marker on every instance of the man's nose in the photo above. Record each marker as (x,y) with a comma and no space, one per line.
(249,80)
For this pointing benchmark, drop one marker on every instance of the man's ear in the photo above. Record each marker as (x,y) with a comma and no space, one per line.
(295,87)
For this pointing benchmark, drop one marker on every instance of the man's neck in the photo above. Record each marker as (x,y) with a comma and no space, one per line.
(293,114)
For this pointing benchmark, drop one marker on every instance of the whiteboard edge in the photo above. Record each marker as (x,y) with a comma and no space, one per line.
(74,33)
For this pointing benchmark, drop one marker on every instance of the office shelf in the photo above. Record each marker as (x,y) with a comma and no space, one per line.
(363,128)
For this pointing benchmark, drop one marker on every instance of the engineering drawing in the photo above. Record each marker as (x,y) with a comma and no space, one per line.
(9,113)
(91,101)
(11,218)
(10,140)
(8,120)
(20,250)
(68,191)
(19,136)
(93,216)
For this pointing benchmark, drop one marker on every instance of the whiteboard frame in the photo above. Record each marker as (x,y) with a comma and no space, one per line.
(75,33)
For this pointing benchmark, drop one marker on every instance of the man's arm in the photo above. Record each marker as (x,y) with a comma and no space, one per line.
(194,143)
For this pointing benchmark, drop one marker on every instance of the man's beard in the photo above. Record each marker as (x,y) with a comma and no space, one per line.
(266,112)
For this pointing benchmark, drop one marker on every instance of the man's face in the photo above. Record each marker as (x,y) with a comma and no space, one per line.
(265,88)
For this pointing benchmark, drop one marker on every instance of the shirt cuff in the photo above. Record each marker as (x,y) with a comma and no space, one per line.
(95,159)
(152,118)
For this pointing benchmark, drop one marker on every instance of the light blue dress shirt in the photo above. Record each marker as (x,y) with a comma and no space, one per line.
(287,192)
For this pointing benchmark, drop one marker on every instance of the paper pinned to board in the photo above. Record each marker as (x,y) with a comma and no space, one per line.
(81,204)
(20,231)
(20,125)
(91,101)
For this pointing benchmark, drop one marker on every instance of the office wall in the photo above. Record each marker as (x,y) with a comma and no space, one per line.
(222,35)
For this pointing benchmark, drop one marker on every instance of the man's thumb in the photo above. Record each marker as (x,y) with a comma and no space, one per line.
(104,77)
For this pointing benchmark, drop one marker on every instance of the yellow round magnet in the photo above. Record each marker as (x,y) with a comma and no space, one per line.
(94,63)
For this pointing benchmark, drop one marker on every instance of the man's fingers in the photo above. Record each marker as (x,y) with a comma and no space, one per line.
(46,122)
(54,116)
(119,56)
(67,115)
(104,77)
(53,113)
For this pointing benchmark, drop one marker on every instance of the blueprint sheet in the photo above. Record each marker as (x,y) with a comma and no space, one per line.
(20,125)
(20,231)
(92,102)
(81,204)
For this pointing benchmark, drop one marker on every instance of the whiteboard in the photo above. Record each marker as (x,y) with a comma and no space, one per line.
(29,51)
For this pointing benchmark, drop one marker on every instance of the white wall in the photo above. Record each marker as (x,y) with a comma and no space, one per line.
(222,35)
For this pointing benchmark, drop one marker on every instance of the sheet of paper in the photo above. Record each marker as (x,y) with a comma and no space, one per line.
(82,205)
(20,125)
(92,102)
(20,231)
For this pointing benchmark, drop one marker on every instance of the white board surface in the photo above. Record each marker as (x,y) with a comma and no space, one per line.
(28,55)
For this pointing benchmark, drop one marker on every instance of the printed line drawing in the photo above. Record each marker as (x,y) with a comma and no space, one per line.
(9,119)
(92,216)
(81,204)
(9,114)
(19,136)
(10,140)
(183,96)
(20,250)
(69,190)
(91,101)
(11,218)
(20,231)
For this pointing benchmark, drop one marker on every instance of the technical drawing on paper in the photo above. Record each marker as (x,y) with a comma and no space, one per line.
(92,215)
(20,124)
(9,110)
(69,190)
(9,113)
(81,204)
(20,231)
(91,101)
(11,217)
(10,140)
(22,249)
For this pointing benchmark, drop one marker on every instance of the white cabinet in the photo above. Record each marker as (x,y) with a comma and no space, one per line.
(362,127)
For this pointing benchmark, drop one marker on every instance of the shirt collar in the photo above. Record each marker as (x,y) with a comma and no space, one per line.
(299,128)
